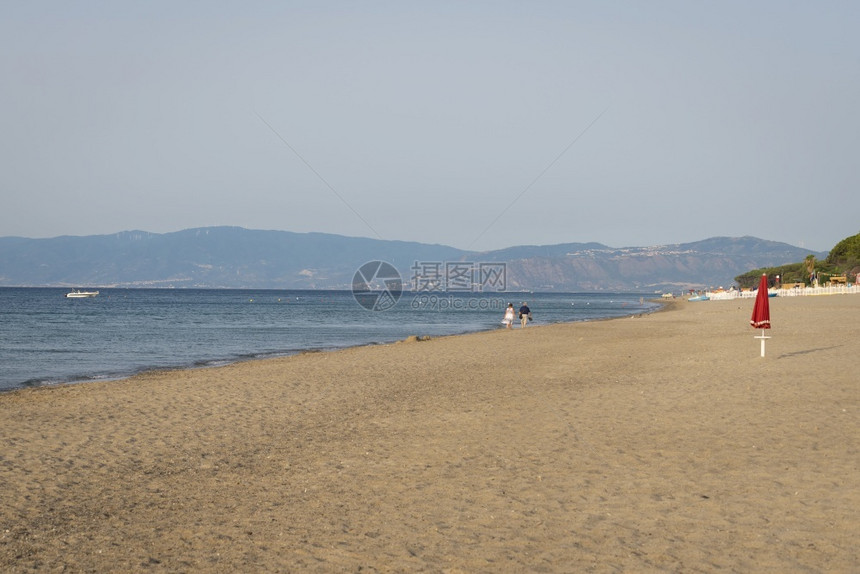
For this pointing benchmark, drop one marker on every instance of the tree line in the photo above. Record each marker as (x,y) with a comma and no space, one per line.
(842,261)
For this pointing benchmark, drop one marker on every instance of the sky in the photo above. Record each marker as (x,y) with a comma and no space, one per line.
(479,125)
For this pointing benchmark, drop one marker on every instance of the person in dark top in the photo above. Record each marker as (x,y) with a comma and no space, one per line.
(525,314)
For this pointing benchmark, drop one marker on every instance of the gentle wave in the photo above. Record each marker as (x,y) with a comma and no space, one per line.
(46,339)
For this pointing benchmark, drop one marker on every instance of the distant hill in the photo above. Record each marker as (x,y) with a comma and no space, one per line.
(233,257)
(591,267)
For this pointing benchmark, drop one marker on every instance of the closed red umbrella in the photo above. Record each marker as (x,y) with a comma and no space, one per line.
(761,311)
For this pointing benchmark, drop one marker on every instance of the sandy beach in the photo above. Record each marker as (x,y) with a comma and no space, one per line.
(657,443)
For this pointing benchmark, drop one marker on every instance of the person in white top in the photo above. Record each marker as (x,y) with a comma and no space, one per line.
(508,321)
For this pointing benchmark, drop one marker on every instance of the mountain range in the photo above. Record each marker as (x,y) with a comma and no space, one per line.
(234,257)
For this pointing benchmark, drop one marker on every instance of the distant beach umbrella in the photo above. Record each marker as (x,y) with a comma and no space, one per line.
(761,311)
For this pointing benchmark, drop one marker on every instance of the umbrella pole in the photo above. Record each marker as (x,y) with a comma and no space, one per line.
(762,337)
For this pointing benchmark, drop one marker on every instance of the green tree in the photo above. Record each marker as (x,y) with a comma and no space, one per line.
(843,259)
(810,266)
(845,255)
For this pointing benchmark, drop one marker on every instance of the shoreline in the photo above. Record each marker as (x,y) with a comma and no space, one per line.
(661,442)
(250,357)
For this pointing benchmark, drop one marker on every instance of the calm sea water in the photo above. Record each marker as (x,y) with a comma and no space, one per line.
(46,338)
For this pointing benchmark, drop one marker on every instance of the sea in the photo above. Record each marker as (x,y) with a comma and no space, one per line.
(48,339)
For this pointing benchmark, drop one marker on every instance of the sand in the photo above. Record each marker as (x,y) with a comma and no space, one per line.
(658,443)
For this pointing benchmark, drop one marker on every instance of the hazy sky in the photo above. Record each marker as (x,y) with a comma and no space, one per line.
(478,125)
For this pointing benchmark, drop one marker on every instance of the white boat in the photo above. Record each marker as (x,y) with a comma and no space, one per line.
(79,293)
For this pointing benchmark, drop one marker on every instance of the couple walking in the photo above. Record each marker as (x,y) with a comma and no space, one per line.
(525,315)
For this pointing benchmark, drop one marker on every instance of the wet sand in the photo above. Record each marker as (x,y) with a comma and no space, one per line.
(659,443)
